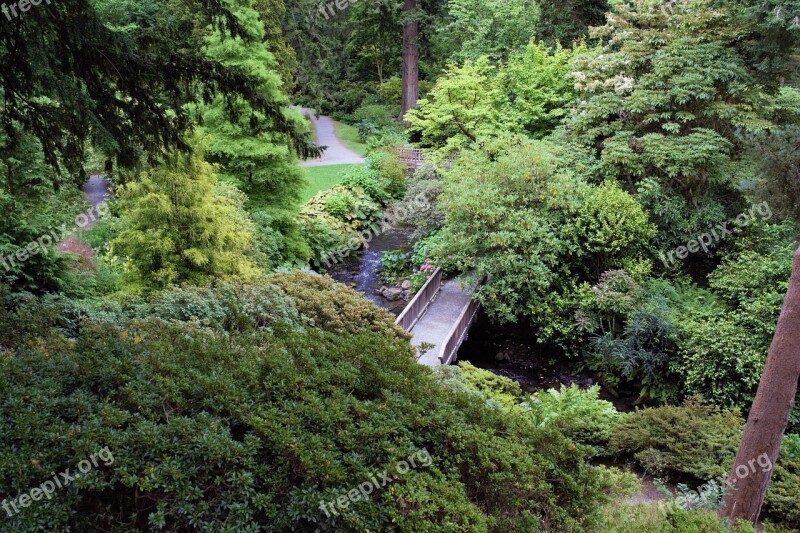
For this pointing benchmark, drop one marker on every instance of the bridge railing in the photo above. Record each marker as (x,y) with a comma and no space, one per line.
(414,158)
(410,315)
(459,332)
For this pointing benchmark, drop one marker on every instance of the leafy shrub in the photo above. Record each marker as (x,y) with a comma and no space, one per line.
(366,129)
(419,208)
(394,265)
(612,227)
(375,114)
(339,203)
(633,336)
(391,171)
(367,179)
(239,431)
(333,237)
(637,518)
(331,306)
(178,226)
(723,347)
(487,385)
(782,500)
(580,415)
(693,439)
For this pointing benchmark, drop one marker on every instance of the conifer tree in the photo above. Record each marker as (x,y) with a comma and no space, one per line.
(176,230)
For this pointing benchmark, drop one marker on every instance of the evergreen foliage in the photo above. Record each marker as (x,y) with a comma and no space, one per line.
(176,230)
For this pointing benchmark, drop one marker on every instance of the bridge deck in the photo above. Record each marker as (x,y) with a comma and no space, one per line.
(437,322)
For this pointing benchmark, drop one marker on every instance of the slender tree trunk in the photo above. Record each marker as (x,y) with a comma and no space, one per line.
(770,412)
(410,57)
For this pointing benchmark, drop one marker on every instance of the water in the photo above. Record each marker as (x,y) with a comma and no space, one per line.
(361,270)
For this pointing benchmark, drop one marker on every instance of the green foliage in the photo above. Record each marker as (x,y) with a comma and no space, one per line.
(38,203)
(175,229)
(542,88)
(675,219)
(467,103)
(578,414)
(613,229)
(570,20)
(516,240)
(247,426)
(395,265)
(339,203)
(376,114)
(638,518)
(367,179)
(694,439)
(128,79)
(260,163)
(723,347)
(490,387)
(633,335)
(420,208)
(391,172)
(528,94)
(666,94)
(336,229)
(541,238)
(493,28)
(781,501)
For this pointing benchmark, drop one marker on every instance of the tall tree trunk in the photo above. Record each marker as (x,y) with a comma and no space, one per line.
(770,412)
(410,57)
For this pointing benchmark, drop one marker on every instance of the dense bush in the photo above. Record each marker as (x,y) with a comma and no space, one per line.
(694,439)
(419,208)
(252,428)
(391,172)
(544,236)
(782,502)
(580,415)
(632,332)
(489,386)
(723,346)
(177,227)
(630,518)
(337,221)
(366,178)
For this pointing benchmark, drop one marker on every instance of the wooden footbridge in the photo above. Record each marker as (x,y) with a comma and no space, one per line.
(439,318)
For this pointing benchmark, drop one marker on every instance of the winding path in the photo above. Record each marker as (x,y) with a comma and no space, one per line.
(336,152)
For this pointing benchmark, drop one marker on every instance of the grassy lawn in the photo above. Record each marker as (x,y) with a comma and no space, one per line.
(322,178)
(349,136)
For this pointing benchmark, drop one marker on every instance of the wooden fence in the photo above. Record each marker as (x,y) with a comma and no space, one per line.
(413,158)
(420,302)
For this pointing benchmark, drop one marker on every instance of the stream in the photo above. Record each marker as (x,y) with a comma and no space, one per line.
(361,270)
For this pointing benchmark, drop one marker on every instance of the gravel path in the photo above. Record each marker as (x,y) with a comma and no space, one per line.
(95,191)
(336,153)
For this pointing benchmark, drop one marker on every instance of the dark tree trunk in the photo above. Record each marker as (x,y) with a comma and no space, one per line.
(410,57)
(770,412)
